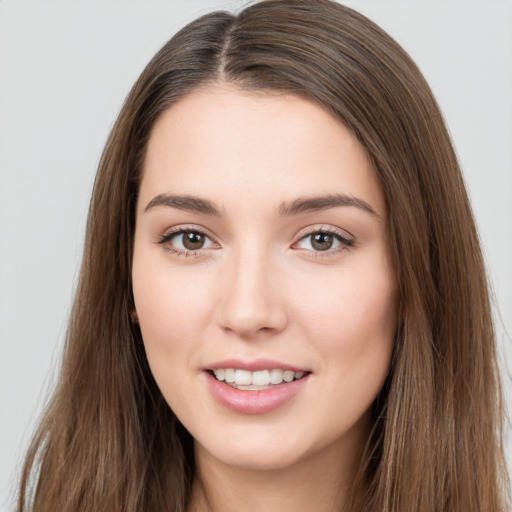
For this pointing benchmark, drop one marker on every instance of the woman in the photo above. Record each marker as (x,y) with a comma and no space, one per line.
(282,300)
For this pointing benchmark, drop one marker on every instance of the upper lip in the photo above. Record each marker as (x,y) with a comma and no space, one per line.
(255,365)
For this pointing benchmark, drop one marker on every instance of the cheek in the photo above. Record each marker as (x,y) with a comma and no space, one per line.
(353,309)
(356,344)
(171,310)
(171,307)
(167,298)
(353,322)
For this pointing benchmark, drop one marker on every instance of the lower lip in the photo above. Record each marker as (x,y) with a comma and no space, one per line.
(254,402)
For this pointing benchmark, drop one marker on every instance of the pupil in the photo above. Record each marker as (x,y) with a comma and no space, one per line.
(193,240)
(322,241)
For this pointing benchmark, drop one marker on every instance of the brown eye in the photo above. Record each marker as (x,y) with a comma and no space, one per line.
(329,242)
(192,240)
(322,241)
(186,241)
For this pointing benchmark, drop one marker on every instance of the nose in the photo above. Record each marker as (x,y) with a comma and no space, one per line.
(253,300)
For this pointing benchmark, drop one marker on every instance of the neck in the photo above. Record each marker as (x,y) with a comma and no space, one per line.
(320,483)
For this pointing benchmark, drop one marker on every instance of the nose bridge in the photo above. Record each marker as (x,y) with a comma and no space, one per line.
(252,301)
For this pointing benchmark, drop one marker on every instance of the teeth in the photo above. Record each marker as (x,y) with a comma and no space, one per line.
(276,376)
(252,380)
(243,377)
(288,376)
(261,378)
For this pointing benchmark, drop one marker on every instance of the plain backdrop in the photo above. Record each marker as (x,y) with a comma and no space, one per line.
(65,69)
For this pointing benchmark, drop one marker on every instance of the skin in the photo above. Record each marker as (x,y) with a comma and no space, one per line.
(259,288)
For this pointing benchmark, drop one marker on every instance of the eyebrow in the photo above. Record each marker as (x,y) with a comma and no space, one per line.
(187,203)
(313,204)
(286,209)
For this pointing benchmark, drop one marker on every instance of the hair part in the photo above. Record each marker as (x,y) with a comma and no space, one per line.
(108,440)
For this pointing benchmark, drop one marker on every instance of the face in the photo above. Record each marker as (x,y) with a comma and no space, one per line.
(262,276)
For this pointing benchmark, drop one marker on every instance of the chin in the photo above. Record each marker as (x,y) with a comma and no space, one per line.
(268,448)
(255,456)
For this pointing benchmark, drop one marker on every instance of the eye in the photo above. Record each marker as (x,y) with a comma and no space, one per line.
(324,241)
(186,241)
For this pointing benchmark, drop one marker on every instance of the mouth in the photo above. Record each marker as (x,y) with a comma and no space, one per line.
(260,380)
(255,387)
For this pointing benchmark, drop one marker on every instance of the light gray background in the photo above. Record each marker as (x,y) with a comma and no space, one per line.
(65,68)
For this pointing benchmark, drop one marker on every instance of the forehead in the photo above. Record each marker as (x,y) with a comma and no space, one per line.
(222,141)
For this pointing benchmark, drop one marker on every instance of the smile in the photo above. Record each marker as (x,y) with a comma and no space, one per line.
(257,380)
(256,388)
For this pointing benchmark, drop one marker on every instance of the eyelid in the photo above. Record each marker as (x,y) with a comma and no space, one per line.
(182,228)
(169,233)
(324,228)
(346,239)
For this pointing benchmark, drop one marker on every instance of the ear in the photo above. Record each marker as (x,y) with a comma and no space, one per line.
(135,317)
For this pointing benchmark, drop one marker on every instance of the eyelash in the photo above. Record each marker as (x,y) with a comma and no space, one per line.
(167,237)
(345,242)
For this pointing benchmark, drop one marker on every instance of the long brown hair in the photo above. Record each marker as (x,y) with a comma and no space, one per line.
(109,442)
